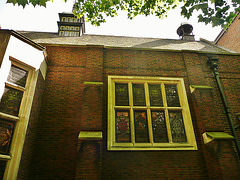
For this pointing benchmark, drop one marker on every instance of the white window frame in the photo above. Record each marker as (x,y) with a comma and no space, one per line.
(18,137)
(184,107)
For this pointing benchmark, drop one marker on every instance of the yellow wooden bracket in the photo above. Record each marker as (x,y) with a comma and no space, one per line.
(90,135)
(200,87)
(210,136)
(92,83)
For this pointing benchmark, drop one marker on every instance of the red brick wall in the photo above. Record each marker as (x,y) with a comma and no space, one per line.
(31,130)
(55,151)
(231,38)
(70,106)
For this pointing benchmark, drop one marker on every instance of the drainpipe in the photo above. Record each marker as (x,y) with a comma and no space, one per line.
(213,62)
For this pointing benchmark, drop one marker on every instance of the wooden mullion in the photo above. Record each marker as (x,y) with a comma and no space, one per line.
(148,112)
(131,112)
(14,86)
(166,113)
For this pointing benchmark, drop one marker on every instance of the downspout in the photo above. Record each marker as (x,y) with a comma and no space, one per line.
(213,62)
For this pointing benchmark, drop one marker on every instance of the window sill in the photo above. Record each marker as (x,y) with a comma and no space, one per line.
(5,157)
(151,147)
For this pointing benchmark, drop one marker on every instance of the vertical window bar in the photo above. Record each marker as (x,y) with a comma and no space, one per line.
(132,126)
(166,112)
(150,125)
(147,94)
(131,112)
(148,113)
(168,126)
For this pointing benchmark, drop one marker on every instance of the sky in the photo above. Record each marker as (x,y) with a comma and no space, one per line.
(45,20)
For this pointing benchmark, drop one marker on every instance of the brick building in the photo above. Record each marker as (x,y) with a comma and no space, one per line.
(110,107)
(230,38)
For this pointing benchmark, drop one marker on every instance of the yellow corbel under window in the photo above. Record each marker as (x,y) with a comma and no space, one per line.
(201,87)
(210,136)
(90,135)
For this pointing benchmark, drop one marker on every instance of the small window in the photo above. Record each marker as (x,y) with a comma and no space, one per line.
(63,19)
(15,87)
(62,33)
(6,133)
(149,113)
(71,33)
(66,33)
(2,168)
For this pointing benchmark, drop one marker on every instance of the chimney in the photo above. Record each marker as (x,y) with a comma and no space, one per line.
(185,32)
(70,25)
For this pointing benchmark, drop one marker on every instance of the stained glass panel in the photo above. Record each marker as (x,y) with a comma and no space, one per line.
(155,95)
(141,127)
(121,95)
(2,168)
(172,95)
(159,126)
(177,126)
(138,95)
(10,101)
(6,132)
(17,76)
(123,133)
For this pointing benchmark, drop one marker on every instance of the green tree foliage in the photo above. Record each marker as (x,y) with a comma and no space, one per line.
(217,12)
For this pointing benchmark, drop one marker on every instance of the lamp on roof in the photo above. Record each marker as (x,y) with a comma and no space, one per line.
(185,31)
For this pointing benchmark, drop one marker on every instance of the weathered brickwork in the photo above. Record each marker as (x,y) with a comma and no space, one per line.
(70,106)
(25,164)
(230,39)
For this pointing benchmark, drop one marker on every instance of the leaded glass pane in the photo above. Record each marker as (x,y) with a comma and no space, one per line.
(121,95)
(138,95)
(123,133)
(10,101)
(172,96)
(177,126)
(17,76)
(159,126)
(141,127)
(2,168)
(6,132)
(155,95)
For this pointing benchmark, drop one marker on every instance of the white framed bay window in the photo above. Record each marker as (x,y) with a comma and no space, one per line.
(15,106)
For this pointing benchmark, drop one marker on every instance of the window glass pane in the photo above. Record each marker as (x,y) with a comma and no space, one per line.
(6,132)
(2,168)
(155,95)
(123,126)
(138,95)
(177,126)
(172,95)
(121,95)
(159,126)
(10,101)
(17,76)
(141,126)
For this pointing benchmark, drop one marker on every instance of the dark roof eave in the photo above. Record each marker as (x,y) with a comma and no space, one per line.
(23,38)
